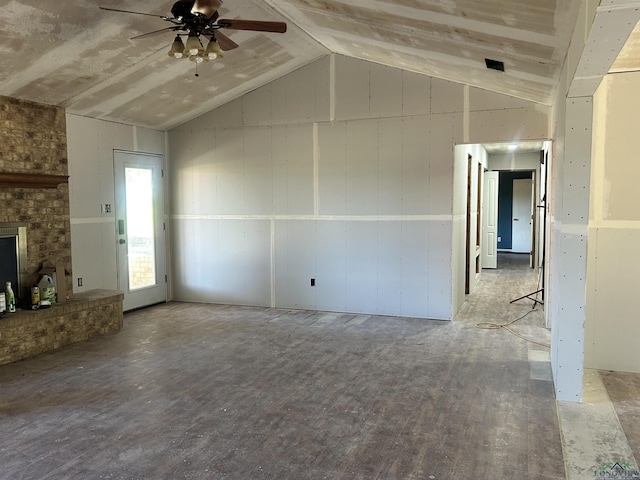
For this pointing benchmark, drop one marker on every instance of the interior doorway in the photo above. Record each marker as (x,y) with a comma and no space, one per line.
(516,213)
(522,216)
(473,239)
(527,159)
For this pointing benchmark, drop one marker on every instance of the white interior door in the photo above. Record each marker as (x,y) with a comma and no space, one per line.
(490,220)
(521,216)
(140,229)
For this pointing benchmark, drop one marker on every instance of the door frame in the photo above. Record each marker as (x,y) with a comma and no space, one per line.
(161,243)
(534,223)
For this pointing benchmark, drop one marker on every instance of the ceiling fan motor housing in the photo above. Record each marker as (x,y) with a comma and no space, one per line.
(182,9)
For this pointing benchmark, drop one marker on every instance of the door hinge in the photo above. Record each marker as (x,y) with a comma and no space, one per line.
(162,172)
(164,226)
(165,279)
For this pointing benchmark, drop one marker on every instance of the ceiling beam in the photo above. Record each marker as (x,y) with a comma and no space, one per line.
(613,23)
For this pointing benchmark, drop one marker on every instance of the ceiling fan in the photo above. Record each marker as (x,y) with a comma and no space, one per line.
(200,18)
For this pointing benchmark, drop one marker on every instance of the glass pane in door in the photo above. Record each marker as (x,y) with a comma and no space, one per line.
(140,225)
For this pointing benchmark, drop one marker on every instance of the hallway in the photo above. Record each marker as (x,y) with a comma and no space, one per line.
(601,431)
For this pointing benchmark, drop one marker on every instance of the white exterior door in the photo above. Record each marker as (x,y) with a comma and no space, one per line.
(490,220)
(521,217)
(140,229)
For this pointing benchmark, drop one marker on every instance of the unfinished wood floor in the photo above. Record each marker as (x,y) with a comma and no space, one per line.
(189,391)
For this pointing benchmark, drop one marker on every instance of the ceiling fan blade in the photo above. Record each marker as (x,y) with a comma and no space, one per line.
(206,7)
(137,13)
(256,25)
(155,32)
(225,42)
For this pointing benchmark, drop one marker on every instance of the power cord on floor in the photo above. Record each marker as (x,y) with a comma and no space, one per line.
(497,326)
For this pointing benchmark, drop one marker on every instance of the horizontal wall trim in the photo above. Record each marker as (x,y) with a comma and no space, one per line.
(94,220)
(616,224)
(322,218)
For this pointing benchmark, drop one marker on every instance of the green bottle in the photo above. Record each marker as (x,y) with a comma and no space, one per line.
(11,298)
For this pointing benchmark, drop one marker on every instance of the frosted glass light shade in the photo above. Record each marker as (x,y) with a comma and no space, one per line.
(213,50)
(193,46)
(177,48)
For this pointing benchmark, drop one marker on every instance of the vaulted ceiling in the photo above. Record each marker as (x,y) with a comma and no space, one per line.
(73,54)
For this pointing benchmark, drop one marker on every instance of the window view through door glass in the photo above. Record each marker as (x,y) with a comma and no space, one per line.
(140,238)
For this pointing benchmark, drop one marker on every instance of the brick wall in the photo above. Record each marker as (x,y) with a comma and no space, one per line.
(33,139)
(142,272)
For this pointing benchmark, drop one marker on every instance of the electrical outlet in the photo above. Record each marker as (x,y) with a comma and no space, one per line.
(79,281)
(313,282)
(107,208)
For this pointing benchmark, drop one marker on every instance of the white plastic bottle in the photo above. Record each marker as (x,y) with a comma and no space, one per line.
(11,298)
(47,289)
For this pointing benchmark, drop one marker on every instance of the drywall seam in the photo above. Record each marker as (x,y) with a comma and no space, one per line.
(273,263)
(598,170)
(90,221)
(571,229)
(341,218)
(316,170)
(616,224)
(134,131)
(466,115)
(332,88)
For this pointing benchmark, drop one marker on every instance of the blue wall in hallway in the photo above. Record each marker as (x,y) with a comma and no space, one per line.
(505,206)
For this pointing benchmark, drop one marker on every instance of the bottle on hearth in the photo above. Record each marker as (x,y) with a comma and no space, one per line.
(10,297)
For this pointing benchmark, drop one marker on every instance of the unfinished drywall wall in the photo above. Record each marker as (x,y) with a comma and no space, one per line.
(361,204)
(568,218)
(341,172)
(91,185)
(470,161)
(612,325)
(515,161)
(571,184)
(487,117)
(568,252)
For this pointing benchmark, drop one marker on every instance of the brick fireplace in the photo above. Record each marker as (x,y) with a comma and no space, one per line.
(34,193)
(33,144)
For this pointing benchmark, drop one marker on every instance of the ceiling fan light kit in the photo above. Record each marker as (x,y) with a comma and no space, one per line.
(198,19)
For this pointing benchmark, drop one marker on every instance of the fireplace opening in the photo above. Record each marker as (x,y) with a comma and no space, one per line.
(13,258)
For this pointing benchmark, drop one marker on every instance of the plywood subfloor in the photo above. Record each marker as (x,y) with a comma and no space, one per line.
(202,391)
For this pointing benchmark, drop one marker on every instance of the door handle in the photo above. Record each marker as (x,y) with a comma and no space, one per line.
(122,241)
(516,219)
